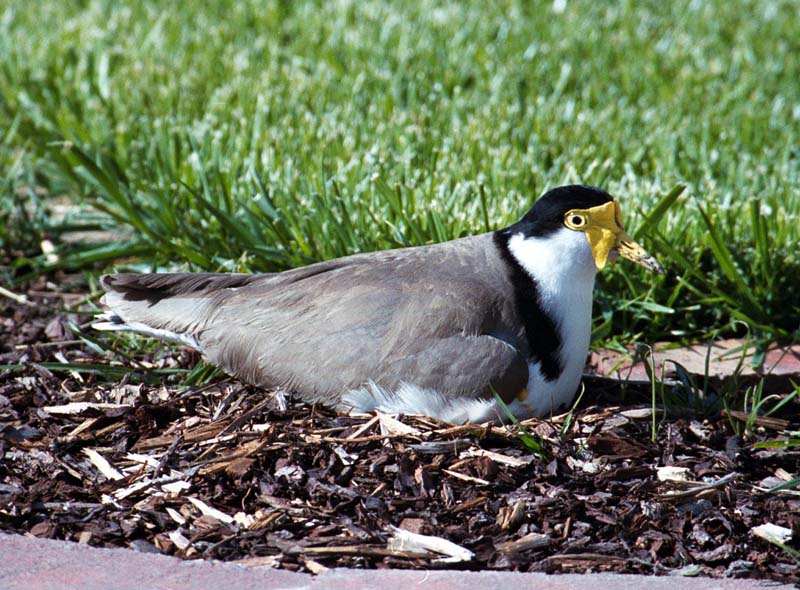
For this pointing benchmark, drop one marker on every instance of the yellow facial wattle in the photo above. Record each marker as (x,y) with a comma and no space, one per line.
(603,228)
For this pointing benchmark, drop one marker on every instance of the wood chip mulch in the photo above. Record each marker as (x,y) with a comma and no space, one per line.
(225,471)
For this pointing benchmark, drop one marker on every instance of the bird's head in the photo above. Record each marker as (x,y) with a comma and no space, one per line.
(592,212)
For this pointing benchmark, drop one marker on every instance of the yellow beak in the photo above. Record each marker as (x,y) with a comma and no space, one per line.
(606,235)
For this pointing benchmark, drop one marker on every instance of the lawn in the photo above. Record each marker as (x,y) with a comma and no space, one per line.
(263,135)
(259,136)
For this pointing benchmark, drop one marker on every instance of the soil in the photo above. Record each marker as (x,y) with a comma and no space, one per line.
(117,451)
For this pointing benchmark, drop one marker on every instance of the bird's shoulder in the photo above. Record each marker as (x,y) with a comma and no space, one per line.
(461,265)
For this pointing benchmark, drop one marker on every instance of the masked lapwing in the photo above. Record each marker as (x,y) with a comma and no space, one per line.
(434,330)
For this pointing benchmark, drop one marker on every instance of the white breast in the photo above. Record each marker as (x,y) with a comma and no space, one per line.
(564,271)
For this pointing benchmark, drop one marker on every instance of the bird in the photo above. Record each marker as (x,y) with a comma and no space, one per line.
(441,330)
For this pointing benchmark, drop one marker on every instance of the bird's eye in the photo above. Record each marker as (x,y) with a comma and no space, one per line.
(574,220)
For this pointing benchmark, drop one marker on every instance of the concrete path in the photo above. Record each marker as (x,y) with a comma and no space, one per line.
(28,563)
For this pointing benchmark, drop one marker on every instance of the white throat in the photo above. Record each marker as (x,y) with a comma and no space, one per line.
(563,268)
(558,262)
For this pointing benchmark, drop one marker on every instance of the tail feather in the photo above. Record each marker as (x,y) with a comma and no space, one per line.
(168,306)
(118,325)
(156,287)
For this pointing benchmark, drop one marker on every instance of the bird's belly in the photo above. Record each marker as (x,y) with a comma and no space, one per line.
(410,399)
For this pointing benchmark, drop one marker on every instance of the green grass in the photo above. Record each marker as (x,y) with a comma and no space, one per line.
(263,135)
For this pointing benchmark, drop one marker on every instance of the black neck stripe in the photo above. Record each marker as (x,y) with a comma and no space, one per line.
(540,330)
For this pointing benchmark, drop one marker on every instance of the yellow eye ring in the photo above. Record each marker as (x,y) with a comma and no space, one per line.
(575,220)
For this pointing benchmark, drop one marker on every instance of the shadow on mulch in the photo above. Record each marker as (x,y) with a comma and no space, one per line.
(226,471)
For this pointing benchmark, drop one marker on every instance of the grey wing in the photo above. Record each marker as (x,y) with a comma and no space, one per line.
(464,366)
(457,366)
(323,346)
